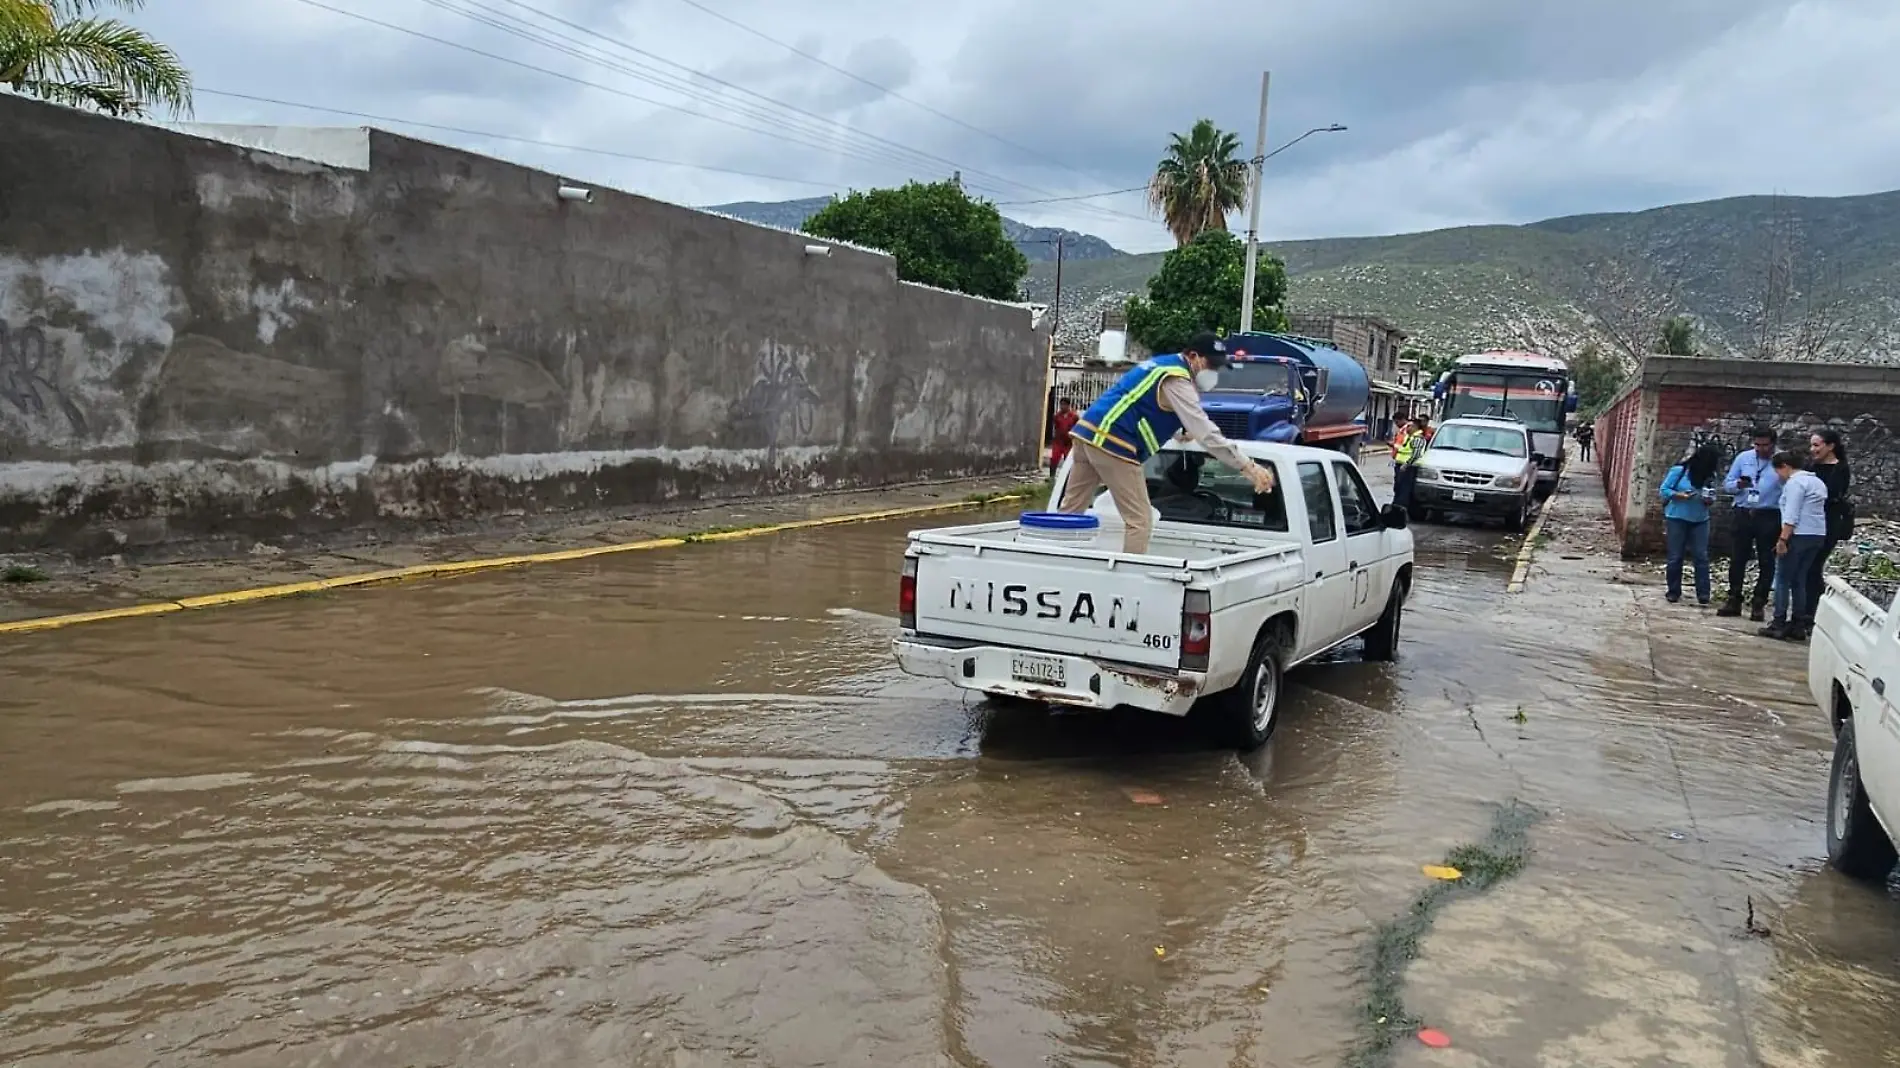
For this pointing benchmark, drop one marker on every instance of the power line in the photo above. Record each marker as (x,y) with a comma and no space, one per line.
(510,137)
(1078,196)
(887,90)
(881,148)
(694,91)
(693,73)
(1254,161)
(780,135)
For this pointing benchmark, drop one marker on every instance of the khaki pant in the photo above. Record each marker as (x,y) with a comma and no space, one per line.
(1094,469)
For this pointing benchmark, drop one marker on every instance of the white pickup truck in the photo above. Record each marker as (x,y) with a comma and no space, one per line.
(1854,674)
(1236,587)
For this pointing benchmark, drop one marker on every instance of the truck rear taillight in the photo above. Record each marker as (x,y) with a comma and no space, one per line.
(907,595)
(1197,630)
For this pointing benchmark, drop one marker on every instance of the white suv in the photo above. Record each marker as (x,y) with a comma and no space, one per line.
(1477,465)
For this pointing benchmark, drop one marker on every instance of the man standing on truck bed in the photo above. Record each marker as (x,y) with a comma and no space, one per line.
(1129,423)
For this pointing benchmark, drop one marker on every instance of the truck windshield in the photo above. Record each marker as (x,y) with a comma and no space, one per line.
(1252,376)
(1193,487)
(1496,440)
(1537,401)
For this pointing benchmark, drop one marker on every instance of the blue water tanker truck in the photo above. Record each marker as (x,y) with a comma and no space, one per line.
(1280,387)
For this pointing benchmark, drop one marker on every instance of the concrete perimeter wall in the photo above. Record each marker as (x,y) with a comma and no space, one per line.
(1676,402)
(201,339)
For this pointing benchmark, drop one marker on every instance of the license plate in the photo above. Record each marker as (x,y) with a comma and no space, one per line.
(1044,670)
(1463,495)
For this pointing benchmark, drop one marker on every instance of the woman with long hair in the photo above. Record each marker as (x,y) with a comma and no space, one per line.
(1827,456)
(1686,492)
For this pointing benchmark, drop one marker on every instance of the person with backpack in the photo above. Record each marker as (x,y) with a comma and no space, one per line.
(1827,458)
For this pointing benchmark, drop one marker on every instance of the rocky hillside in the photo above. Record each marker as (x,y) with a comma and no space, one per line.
(1038,243)
(1819,277)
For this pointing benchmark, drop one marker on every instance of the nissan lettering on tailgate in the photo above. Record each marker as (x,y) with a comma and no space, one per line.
(1020,599)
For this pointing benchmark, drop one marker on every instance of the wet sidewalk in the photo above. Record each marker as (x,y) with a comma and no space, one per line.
(1658,918)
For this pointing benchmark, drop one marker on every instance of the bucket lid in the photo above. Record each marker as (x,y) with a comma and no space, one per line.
(1059,521)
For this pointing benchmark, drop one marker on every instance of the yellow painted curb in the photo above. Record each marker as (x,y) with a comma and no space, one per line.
(463,567)
(1522,572)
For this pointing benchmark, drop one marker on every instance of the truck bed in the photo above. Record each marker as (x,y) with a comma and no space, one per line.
(985,583)
(1172,543)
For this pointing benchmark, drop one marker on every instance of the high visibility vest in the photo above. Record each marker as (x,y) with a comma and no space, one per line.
(1410,446)
(1128,421)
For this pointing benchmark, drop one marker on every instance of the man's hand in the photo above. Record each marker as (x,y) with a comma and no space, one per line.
(1781,546)
(1262,478)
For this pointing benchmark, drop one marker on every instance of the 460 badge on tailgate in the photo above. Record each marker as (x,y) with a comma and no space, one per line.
(1017,599)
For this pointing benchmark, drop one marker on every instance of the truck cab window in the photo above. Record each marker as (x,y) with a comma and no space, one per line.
(1193,487)
(1356,502)
(1319,502)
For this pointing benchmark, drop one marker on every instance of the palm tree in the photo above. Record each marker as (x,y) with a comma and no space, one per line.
(59,50)
(1198,181)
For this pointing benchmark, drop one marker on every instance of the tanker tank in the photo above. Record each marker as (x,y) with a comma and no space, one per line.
(1348,388)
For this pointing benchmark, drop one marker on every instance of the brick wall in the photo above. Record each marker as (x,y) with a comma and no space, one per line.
(1616,443)
(1679,402)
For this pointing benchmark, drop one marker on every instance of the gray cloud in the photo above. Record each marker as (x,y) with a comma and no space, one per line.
(1460,111)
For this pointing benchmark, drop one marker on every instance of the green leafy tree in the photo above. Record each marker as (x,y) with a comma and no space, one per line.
(1198,288)
(1678,336)
(1198,181)
(1430,365)
(59,50)
(1599,376)
(939,235)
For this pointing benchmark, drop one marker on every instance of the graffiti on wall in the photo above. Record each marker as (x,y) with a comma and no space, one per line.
(780,408)
(28,382)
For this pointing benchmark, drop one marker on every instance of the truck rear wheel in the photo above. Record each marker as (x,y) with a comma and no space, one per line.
(1857,846)
(1249,712)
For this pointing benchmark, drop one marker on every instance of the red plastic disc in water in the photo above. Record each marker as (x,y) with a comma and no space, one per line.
(1434,1038)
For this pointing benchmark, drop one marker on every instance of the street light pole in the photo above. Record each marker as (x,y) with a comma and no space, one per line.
(1253,211)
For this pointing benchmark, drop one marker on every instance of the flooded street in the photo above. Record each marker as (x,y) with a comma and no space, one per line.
(681,808)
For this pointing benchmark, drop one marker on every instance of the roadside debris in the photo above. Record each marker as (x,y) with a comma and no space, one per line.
(1434,1038)
(1442,871)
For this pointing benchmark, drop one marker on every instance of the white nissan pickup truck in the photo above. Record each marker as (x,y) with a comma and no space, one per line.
(1854,674)
(1236,587)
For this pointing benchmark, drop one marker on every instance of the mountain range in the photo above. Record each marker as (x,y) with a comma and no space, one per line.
(1788,277)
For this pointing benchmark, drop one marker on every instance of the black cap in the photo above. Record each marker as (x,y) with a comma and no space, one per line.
(1207,345)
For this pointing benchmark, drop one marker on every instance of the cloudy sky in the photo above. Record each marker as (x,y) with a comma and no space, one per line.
(1459,111)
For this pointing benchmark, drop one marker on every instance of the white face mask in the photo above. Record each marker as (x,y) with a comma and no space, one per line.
(1206,380)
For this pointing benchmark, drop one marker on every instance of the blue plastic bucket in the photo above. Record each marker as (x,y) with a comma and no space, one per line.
(1058,526)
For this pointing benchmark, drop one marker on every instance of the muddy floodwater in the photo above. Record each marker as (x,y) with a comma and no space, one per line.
(682,809)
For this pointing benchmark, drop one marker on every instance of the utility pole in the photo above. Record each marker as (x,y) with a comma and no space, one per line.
(1055,309)
(1253,212)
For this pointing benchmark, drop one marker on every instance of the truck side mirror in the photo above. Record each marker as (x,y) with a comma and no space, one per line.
(1538,457)
(1393,517)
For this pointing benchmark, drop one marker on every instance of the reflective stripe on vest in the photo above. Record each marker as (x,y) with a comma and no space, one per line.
(1413,444)
(1123,426)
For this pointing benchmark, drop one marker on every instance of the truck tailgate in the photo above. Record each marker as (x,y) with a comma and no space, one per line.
(1094,607)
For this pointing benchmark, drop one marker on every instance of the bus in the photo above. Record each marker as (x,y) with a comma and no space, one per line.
(1535,389)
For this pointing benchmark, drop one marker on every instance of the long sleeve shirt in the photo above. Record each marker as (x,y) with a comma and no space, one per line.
(1692,510)
(1179,396)
(1804,504)
(1764,490)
